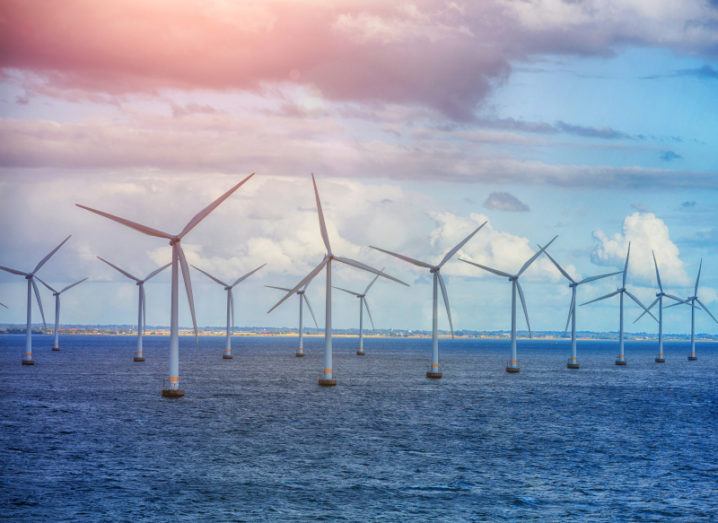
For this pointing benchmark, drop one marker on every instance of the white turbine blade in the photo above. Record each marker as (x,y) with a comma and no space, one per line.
(446,303)
(658,274)
(210,276)
(646,311)
(118,269)
(600,276)
(453,251)
(535,256)
(494,271)
(231,308)
(611,295)
(680,302)
(46,285)
(560,269)
(638,302)
(71,285)
(365,267)
(625,267)
(39,301)
(201,215)
(347,290)
(706,309)
(302,283)
(570,313)
(42,262)
(674,298)
(156,272)
(698,278)
(14,271)
(242,278)
(322,223)
(371,283)
(285,289)
(523,306)
(188,288)
(311,311)
(402,257)
(3,305)
(366,306)
(128,223)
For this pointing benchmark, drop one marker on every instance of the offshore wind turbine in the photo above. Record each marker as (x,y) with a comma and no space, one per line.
(362,305)
(302,300)
(56,294)
(32,287)
(692,300)
(230,305)
(438,281)
(661,358)
(327,379)
(621,358)
(513,366)
(139,356)
(573,285)
(179,262)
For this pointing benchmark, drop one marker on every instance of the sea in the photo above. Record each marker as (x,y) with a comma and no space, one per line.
(86,436)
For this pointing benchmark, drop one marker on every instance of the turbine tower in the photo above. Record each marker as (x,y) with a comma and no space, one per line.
(573,285)
(692,300)
(661,358)
(230,305)
(362,305)
(302,300)
(438,281)
(621,358)
(327,379)
(513,366)
(172,389)
(139,356)
(56,294)
(32,287)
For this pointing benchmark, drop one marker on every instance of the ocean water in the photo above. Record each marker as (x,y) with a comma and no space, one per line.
(85,435)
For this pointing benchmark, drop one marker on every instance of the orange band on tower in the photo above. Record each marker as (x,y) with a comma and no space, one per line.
(174,379)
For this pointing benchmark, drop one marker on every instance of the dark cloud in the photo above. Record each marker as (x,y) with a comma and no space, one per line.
(503,201)
(669,156)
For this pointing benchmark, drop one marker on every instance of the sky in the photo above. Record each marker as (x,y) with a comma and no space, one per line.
(592,120)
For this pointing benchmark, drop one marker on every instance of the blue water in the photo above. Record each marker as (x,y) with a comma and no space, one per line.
(85,434)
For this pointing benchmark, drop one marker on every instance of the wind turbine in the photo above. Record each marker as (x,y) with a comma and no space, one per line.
(32,287)
(302,300)
(513,366)
(327,379)
(435,270)
(692,300)
(573,285)
(56,294)
(362,305)
(621,358)
(661,358)
(139,356)
(172,390)
(230,305)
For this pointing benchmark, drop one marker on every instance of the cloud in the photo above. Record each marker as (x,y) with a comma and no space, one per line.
(705,72)
(669,156)
(688,204)
(503,201)
(646,232)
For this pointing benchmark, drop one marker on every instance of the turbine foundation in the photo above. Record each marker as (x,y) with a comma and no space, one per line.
(299,353)
(138,359)
(327,382)
(692,357)
(227,356)
(56,349)
(28,362)
(660,360)
(434,374)
(573,365)
(513,367)
(360,352)
(621,361)
(172,393)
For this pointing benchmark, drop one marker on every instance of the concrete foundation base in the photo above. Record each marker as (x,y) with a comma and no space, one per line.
(360,353)
(172,393)
(692,357)
(299,354)
(512,370)
(434,374)
(660,360)
(621,362)
(56,349)
(573,365)
(327,382)
(28,362)
(138,359)
(227,356)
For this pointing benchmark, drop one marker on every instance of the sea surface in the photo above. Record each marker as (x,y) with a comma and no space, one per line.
(85,435)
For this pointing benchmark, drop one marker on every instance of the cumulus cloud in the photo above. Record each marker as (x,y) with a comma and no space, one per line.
(504,201)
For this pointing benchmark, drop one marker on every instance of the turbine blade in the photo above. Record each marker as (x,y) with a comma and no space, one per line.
(658,274)
(42,262)
(322,223)
(118,269)
(311,311)
(230,296)
(14,271)
(560,269)
(680,302)
(611,295)
(446,303)
(674,298)
(285,289)
(347,290)
(188,288)
(371,283)
(646,311)
(638,302)
(365,267)
(3,305)
(128,223)
(201,215)
(570,313)
(535,256)
(625,267)
(71,285)
(39,301)
(600,276)
(706,309)
(242,278)
(144,307)
(494,271)
(211,277)
(366,306)
(698,278)
(156,272)
(523,306)
(453,251)
(46,285)
(418,263)
(303,282)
